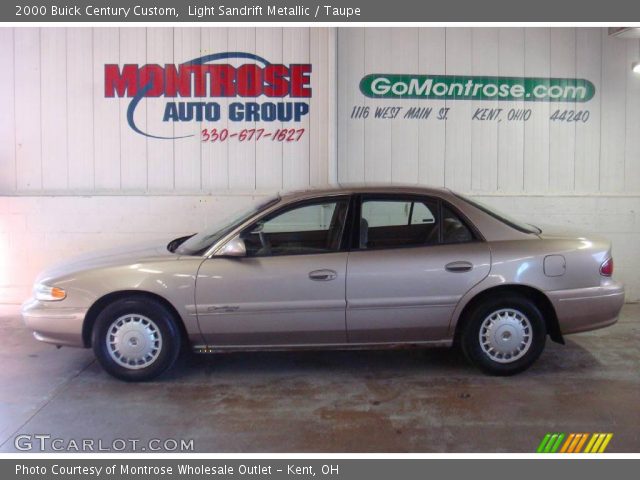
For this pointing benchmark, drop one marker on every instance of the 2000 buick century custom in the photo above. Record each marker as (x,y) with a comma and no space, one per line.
(357,267)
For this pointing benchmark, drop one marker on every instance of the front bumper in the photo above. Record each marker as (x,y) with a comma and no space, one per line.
(584,309)
(53,322)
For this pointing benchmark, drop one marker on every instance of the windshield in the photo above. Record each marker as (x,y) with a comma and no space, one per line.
(200,242)
(504,218)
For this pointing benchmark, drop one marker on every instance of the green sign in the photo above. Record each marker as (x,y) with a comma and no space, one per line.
(464,87)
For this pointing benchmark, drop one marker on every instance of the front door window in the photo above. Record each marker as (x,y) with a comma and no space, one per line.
(305,229)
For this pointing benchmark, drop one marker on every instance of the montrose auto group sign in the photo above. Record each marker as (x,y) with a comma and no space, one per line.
(255,89)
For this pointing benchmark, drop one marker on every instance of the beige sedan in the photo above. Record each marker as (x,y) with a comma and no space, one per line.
(358,267)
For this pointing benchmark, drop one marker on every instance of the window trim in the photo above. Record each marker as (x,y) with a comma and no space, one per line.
(297,204)
(409,197)
(410,219)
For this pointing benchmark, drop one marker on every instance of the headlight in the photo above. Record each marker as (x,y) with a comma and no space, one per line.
(48,294)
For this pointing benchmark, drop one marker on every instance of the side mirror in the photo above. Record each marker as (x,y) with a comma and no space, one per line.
(233,248)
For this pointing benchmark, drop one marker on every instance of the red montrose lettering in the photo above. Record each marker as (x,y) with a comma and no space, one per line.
(208,80)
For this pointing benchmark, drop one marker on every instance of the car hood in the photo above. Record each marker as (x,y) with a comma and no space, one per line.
(113,257)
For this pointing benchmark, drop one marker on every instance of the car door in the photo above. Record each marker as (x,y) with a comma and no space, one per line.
(289,289)
(413,259)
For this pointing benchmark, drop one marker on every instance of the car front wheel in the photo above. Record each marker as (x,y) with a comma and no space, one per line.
(136,339)
(504,336)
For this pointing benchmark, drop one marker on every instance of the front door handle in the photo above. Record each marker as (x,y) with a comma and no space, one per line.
(458,267)
(323,275)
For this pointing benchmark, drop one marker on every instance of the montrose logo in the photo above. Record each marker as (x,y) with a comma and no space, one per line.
(190,89)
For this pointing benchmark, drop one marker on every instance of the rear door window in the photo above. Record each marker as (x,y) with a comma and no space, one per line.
(388,223)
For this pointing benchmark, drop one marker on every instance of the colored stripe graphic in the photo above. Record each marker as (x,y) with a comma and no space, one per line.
(556,445)
(598,443)
(606,441)
(590,444)
(581,442)
(550,443)
(573,442)
(569,441)
(543,443)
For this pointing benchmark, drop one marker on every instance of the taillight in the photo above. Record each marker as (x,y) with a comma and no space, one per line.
(606,269)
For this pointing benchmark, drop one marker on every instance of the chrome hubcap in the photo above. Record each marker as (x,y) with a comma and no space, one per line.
(134,341)
(505,335)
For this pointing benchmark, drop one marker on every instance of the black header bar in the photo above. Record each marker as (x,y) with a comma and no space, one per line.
(310,11)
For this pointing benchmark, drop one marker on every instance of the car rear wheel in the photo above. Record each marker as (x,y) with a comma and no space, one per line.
(136,339)
(504,336)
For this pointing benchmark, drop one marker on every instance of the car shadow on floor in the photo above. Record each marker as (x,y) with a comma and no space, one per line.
(450,362)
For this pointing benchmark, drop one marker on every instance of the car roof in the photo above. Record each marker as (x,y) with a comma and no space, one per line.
(490,227)
(348,189)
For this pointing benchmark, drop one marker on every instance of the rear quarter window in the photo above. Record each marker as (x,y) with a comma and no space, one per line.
(503,217)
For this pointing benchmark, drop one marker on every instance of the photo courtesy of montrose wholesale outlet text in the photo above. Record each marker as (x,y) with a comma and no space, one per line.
(314,240)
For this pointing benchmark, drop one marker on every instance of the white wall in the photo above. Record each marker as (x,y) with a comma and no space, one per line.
(60,135)
(74,177)
(36,231)
(586,175)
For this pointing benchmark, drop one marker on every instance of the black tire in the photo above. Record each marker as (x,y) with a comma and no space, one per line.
(492,363)
(163,325)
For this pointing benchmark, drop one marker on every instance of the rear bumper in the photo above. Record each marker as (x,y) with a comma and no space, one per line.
(584,309)
(54,323)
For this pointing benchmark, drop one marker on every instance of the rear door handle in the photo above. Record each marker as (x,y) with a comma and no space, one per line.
(323,275)
(458,267)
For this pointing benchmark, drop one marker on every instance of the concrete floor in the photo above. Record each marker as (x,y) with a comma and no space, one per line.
(377,401)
